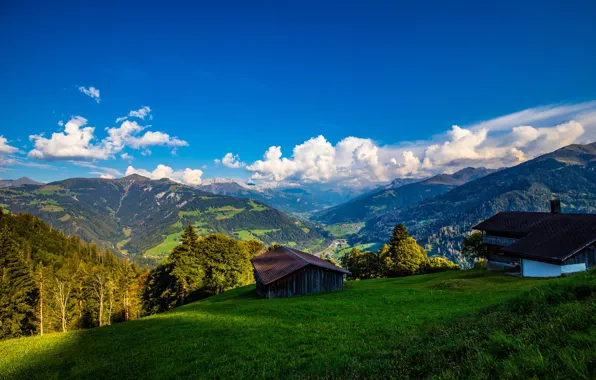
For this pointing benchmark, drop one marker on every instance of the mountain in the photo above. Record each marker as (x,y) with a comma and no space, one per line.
(300,201)
(290,200)
(403,194)
(138,216)
(440,223)
(18,182)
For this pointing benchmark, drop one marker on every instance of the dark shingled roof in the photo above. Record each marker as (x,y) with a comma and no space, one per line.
(550,237)
(282,261)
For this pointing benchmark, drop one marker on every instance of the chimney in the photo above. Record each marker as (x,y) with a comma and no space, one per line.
(555,206)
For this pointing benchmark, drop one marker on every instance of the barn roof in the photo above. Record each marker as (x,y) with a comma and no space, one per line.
(282,261)
(550,237)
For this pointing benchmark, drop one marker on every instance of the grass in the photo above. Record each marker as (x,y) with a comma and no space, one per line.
(466,324)
(256,207)
(344,229)
(245,235)
(64,218)
(165,247)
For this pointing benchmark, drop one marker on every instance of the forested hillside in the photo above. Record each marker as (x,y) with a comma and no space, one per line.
(136,215)
(403,194)
(441,222)
(51,282)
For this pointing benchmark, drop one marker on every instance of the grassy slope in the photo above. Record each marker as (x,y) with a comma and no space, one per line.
(415,326)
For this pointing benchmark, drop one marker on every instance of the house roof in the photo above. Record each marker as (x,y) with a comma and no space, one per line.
(282,261)
(550,237)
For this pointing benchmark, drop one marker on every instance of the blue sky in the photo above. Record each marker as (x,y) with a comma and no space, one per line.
(247,77)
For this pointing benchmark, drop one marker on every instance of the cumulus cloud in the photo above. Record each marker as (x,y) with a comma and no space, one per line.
(317,160)
(188,176)
(140,113)
(91,92)
(6,148)
(230,160)
(505,141)
(74,142)
(78,141)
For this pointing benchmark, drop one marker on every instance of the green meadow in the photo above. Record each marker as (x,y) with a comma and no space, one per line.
(460,324)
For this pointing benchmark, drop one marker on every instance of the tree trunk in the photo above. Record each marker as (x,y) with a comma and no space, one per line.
(41,306)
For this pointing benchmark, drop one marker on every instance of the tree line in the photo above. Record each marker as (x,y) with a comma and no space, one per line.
(403,256)
(51,282)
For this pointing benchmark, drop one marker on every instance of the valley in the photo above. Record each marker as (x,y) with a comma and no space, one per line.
(143,218)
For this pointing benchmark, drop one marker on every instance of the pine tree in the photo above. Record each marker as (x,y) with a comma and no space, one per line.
(185,265)
(17,289)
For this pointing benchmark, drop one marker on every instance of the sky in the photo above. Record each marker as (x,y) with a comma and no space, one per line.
(290,92)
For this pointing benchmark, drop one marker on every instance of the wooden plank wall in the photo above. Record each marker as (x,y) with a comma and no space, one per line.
(587,256)
(308,280)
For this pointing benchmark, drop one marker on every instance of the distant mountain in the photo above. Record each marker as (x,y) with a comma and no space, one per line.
(288,200)
(402,194)
(440,222)
(18,182)
(137,215)
(295,200)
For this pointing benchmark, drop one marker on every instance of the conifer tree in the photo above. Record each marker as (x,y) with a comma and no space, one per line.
(17,289)
(185,265)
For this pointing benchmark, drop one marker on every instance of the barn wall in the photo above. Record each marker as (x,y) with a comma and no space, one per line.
(308,280)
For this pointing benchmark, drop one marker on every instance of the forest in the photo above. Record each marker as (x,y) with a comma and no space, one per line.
(52,282)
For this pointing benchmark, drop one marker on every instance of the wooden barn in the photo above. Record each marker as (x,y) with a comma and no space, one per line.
(286,272)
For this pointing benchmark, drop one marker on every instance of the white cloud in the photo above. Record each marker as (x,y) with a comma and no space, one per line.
(187,176)
(140,113)
(504,141)
(231,161)
(91,92)
(77,141)
(5,148)
(127,157)
(61,123)
(317,160)
(73,143)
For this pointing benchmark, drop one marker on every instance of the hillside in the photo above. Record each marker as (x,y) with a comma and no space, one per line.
(463,324)
(441,222)
(18,182)
(402,194)
(137,215)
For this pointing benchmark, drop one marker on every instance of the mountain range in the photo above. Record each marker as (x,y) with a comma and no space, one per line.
(400,193)
(138,216)
(18,182)
(440,222)
(300,201)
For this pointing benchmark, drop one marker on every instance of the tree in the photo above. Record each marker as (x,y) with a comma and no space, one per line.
(98,285)
(226,263)
(440,264)
(40,280)
(254,247)
(403,256)
(362,265)
(17,289)
(62,289)
(185,265)
(473,247)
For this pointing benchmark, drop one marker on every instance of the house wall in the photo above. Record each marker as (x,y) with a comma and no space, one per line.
(308,280)
(586,256)
(531,268)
